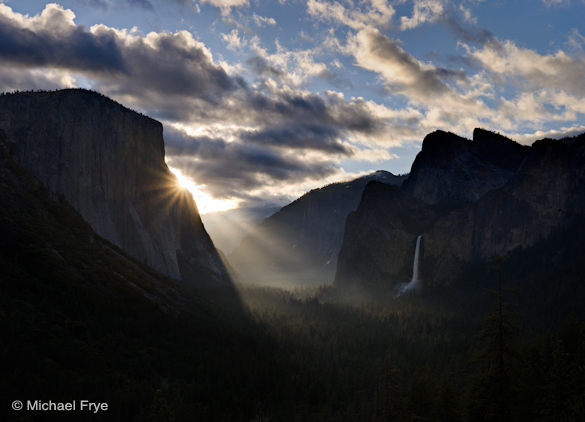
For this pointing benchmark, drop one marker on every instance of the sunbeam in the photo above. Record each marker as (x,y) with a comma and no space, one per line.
(205,202)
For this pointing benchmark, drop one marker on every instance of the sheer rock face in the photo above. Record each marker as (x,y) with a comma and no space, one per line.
(300,243)
(380,237)
(108,163)
(543,190)
(45,240)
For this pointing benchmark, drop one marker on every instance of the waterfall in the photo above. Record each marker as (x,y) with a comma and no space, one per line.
(414,281)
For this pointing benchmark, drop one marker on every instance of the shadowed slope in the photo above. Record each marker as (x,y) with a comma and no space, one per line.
(81,319)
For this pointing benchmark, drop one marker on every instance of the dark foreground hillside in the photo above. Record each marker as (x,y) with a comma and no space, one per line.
(81,319)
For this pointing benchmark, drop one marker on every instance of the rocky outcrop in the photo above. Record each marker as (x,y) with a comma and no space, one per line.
(450,169)
(108,163)
(543,192)
(300,243)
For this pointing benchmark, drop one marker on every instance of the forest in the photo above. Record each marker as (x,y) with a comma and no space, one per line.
(296,356)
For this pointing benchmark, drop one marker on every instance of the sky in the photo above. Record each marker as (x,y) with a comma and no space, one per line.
(262,101)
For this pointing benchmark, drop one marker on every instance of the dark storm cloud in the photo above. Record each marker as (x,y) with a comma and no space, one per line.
(74,48)
(291,106)
(445,73)
(232,168)
(299,136)
(168,64)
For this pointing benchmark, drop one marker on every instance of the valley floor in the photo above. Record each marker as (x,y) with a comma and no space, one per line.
(415,359)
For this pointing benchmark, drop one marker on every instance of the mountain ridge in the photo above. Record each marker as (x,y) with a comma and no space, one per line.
(543,194)
(451,169)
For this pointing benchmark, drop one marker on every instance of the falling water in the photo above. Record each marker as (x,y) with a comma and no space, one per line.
(414,281)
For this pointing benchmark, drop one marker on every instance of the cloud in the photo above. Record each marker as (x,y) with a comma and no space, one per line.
(232,169)
(277,145)
(500,85)
(372,13)
(528,69)
(52,39)
(293,67)
(576,40)
(402,73)
(314,136)
(553,3)
(233,40)
(261,67)
(529,138)
(13,79)
(226,5)
(463,31)
(119,61)
(262,20)
(423,11)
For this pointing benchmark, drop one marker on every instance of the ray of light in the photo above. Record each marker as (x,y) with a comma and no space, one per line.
(205,202)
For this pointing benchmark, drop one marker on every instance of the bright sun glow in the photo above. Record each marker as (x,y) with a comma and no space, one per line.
(205,203)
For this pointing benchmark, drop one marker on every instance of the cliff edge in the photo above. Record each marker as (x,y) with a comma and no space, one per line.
(108,162)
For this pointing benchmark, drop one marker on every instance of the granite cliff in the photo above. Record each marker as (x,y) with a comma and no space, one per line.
(300,243)
(108,163)
(450,169)
(47,246)
(471,201)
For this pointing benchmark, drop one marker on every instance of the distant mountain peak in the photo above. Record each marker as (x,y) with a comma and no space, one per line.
(440,140)
(482,135)
(299,243)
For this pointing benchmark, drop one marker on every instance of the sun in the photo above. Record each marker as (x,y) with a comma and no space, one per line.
(205,202)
